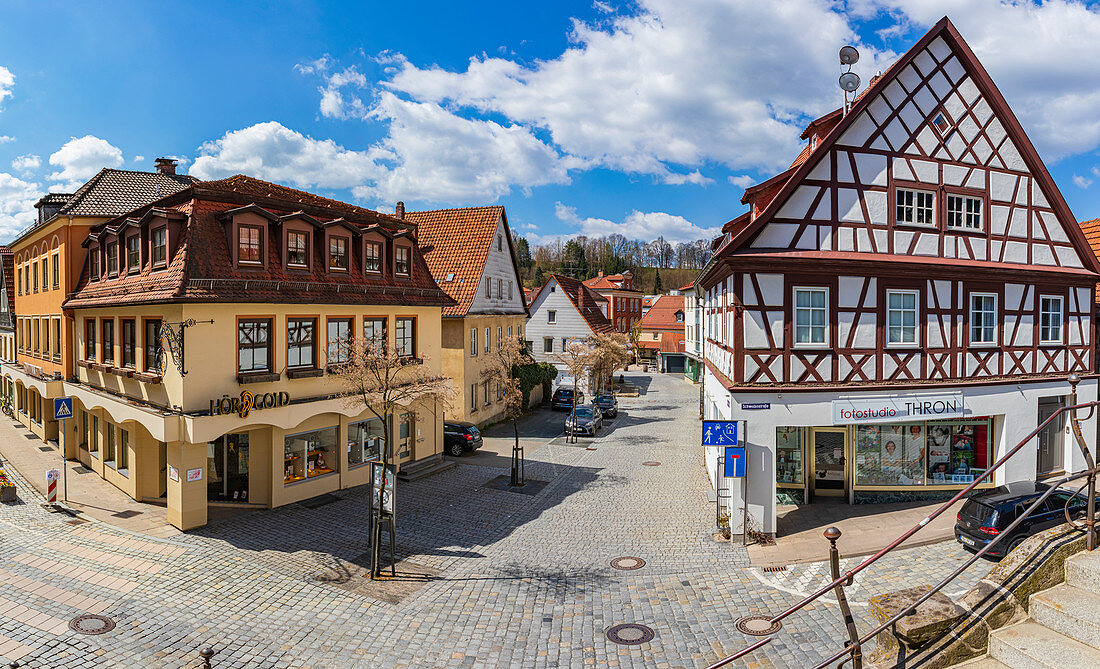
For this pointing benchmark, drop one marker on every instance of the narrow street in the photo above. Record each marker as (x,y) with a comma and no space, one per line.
(489,577)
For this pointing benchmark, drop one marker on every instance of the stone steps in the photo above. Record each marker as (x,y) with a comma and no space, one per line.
(983,662)
(1029,645)
(1083,571)
(426,467)
(1070,611)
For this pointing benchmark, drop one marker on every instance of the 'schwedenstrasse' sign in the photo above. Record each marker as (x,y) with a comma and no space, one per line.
(897,409)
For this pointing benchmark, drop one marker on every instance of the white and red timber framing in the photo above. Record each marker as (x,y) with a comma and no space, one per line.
(925,207)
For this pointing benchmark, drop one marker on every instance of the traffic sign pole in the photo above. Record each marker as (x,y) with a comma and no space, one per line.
(62,411)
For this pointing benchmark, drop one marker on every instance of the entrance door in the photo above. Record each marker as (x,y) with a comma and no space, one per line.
(1052,437)
(404,438)
(162,462)
(227,468)
(829,461)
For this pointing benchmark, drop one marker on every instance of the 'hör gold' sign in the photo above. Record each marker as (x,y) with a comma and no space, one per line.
(243,405)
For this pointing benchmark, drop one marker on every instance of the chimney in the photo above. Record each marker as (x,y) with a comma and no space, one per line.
(399,210)
(165,165)
(599,274)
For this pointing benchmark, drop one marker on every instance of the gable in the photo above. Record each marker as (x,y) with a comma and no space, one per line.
(845,198)
(499,264)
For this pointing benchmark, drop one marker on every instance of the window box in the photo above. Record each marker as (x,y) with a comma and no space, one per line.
(147,377)
(258,377)
(304,373)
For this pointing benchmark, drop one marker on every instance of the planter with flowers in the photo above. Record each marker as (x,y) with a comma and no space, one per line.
(7,488)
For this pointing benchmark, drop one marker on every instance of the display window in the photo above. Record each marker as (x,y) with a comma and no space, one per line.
(788,455)
(365,440)
(309,454)
(914,454)
(959,451)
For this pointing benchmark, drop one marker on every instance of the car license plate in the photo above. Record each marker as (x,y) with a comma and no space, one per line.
(967,541)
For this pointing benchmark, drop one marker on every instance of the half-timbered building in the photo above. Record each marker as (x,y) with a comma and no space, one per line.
(905,302)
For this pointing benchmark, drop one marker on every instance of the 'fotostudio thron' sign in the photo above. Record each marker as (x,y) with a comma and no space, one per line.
(897,409)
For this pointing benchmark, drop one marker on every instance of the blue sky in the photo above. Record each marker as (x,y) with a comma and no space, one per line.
(642,118)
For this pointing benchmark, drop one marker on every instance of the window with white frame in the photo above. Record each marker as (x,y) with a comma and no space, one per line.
(547,344)
(473,341)
(964,212)
(551,316)
(983,318)
(915,207)
(901,317)
(809,315)
(1050,319)
(473,397)
(488,339)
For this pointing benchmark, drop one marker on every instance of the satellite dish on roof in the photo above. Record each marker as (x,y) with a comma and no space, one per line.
(848,55)
(849,82)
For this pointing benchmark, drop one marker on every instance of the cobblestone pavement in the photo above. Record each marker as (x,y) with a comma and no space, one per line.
(504,579)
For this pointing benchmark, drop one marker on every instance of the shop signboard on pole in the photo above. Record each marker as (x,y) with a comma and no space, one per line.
(383,481)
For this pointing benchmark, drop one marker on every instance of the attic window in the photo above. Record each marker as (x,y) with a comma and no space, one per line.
(450,277)
(941,123)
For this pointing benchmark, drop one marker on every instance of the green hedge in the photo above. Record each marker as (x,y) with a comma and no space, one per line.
(531,375)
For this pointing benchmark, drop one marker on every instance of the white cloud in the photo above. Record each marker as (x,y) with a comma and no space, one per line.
(26,163)
(1052,83)
(335,102)
(17,198)
(604,7)
(81,158)
(1081,182)
(742,180)
(7,82)
(645,226)
(5,139)
(139,159)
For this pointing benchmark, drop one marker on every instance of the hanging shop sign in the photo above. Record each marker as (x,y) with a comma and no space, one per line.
(243,405)
(897,409)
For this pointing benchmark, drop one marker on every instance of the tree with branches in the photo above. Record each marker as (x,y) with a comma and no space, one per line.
(634,336)
(607,352)
(384,379)
(501,371)
(577,357)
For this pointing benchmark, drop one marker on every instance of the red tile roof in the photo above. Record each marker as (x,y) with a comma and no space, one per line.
(662,315)
(670,342)
(457,242)
(1092,236)
(586,301)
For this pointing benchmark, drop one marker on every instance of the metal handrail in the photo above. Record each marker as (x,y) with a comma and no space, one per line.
(841,580)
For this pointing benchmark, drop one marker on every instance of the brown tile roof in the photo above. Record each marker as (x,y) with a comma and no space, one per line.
(1092,236)
(670,342)
(7,259)
(457,241)
(201,269)
(115,192)
(608,282)
(662,315)
(586,301)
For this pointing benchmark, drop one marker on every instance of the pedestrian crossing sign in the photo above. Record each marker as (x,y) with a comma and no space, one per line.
(62,408)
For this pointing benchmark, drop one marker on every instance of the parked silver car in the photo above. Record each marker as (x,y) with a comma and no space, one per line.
(584,419)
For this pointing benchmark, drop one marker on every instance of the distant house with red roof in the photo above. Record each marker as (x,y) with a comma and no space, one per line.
(564,310)
(662,333)
(624,303)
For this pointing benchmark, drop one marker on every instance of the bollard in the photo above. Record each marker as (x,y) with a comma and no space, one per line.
(832,534)
(206,653)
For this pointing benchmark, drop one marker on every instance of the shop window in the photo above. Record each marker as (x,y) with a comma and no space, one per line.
(1050,319)
(109,455)
(964,212)
(338,254)
(374,330)
(958,451)
(89,339)
(404,431)
(300,342)
(809,316)
(227,468)
(890,454)
(108,341)
(309,454)
(405,337)
(372,257)
(254,345)
(901,317)
(473,341)
(93,442)
(123,450)
(297,249)
(159,238)
(983,319)
(788,455)
(154,354)
(365,440)
(401,260)
(129,343)
(250,245)
(915,207)
(339,340)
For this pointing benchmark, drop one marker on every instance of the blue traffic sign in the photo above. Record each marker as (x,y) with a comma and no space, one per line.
(719,433)
(62,408)
(734,462)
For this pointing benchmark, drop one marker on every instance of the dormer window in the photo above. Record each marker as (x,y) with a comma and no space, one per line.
(338,254)
(250,245)
(133,253)
(159,238)
(372,257)
(112,259)
(401,260)
(297,249)
(93,259)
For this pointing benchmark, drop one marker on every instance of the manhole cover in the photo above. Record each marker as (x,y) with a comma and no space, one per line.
(758,625)
(651,463)
(630,634)
(628,563)
(91,624)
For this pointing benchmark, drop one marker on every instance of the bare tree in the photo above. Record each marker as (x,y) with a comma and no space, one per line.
(635,338)
(501,371)
(608,352)
(577,356)
(383,380)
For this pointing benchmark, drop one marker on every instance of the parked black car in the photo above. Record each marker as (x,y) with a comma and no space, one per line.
(584,419)
(986,514)
(563,399)
(460,437)
(608,405)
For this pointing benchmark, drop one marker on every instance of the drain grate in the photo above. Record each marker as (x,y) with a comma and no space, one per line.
(91,624)
(758,625)
(651,463)
(775,569)
(630,634)
(628,563)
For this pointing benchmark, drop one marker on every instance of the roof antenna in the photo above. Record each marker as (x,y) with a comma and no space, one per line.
(849,81)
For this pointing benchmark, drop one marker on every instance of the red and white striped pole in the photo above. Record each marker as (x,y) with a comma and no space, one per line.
(51,485)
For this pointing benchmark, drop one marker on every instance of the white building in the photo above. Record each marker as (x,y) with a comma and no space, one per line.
(563,310)
(904,303)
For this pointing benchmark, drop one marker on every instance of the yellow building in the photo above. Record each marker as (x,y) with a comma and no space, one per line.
(203,359)
(47,260)
(469,252)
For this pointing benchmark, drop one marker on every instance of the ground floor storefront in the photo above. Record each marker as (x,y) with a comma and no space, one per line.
(874,446)
(279,452)
(31,398)
(693,368)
